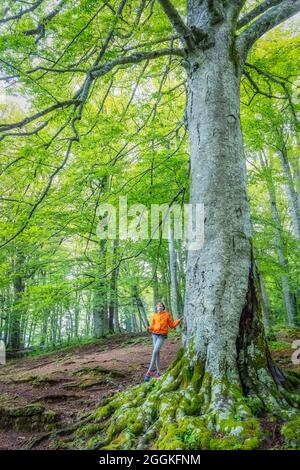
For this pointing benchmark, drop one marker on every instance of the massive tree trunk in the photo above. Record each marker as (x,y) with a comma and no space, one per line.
(218,276)
(223,373)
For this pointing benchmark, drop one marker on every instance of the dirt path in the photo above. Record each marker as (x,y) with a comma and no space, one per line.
(71,382)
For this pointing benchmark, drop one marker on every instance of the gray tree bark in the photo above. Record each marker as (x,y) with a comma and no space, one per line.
(155,291)
(100,316)
(173,273)
(293,197)
(15,333)
(217,278)
(266,307)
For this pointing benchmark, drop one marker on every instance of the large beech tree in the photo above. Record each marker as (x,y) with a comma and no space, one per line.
(223,373)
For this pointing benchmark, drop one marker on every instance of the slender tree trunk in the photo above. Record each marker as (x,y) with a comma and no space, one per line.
(155,285)
(113,321)
(100,297)
(133,325)
(265,304)
(44,329)
(166,297)
(76,315)
(16,315)
(31,332)
(293,197)
(288,295)
(140,307)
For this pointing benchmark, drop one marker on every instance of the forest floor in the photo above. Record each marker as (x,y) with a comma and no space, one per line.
(61,386)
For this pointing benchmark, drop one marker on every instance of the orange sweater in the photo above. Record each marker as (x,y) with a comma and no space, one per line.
(161,322)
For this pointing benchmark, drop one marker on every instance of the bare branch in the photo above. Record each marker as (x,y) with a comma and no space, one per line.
(25,134)
(264,6)
(271,18)
(277,81)
(21,13)
(62,104)
(77,36)
(135,59)
(81,96)
(40,29)
(178,23)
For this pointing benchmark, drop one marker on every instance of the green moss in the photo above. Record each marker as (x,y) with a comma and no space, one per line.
(170,438)
(191,406)
(179,356)
(185,409)
(28,418)
(197,375)
(90,429)
(287,331)
(187,374)
(224,443)
(194,432)
(278,345)
(104,411)
(294,378)
(233,443)
(168,405)
(123,441)
(255,405)
(251,443)
(291,433)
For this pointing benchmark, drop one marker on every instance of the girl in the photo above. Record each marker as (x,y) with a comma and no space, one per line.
(161,321)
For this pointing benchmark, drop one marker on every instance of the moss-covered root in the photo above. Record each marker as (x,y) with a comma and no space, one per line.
(184,409)
(291,432)
(28,418)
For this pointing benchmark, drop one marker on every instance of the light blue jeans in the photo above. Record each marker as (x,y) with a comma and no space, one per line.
(158,341)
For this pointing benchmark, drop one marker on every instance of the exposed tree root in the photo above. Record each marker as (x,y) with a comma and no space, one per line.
(27,418)
(187,409)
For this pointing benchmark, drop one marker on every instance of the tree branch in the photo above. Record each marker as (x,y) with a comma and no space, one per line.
(135,59)
(81,95)
(179,25)
(264,6)
(21,13)
(271,18)
(41,27)
(63,104)
(280,82)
